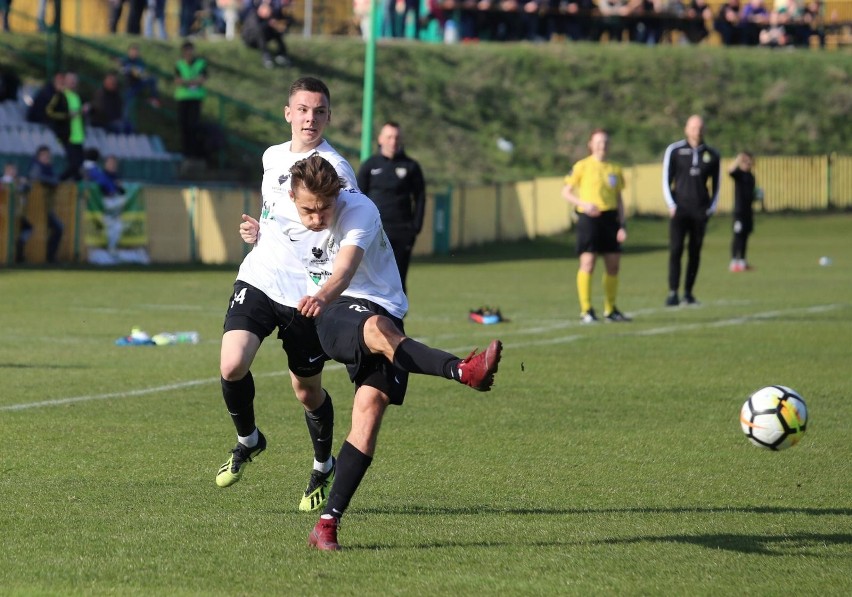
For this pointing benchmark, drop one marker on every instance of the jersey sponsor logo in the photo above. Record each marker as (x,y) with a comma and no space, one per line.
(375,171)
(401,171)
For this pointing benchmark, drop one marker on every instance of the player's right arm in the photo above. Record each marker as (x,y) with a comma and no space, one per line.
(345,265)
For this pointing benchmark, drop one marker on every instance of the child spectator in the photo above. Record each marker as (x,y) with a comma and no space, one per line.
(744,197)
(41,172)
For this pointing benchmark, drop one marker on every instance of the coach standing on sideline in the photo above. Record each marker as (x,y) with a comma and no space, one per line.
(395,183)
(687,166)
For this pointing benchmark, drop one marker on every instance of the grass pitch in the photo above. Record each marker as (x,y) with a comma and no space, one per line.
(607,460)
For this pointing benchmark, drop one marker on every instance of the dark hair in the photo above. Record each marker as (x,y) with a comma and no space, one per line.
(92,154)
(41,148)
(316,175)
(392,123)
(187,45)
(311,84)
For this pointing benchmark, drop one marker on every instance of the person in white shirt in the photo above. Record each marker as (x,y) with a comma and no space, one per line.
(269,285)
(354,292)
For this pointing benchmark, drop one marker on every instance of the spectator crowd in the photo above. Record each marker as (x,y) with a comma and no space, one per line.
(772,23)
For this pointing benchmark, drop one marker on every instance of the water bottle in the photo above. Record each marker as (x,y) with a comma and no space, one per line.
(186,337)
(167,338)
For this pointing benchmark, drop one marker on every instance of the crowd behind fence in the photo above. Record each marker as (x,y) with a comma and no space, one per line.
(817,23)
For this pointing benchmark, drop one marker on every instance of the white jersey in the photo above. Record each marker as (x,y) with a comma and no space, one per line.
(274,265)
(356,222)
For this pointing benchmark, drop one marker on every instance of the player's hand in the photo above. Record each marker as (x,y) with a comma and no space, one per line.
(310,306)
(591,210)
(672,211)
(621,235)
(249,230)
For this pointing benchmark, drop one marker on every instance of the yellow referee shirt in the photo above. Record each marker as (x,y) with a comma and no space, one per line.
(597,182)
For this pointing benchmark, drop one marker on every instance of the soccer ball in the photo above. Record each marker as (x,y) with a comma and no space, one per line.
(774,417)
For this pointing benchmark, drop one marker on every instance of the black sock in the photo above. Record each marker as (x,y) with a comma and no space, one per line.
(415,357)
(321,427)
(239,398)
(352,465)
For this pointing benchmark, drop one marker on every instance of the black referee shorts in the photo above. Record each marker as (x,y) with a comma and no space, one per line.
(598,235)
(340,328)
(251,310)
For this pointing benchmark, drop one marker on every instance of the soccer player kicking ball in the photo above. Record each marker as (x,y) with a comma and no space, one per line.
(355,295)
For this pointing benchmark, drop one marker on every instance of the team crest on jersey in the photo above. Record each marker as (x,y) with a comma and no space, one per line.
(613,180)
(706,157)
(283,178)
(316,252)
(401,171)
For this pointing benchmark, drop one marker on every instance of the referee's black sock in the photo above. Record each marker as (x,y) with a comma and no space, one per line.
(416,357)
(352,465)
(239,398)
(321,428)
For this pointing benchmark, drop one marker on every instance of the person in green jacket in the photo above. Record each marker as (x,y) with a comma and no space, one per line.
(190,77)
(65,113)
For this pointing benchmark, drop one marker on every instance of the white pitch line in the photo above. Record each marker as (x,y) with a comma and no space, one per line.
(767,315)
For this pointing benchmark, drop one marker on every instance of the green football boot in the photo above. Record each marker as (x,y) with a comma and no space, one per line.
(316,494)
(230,472)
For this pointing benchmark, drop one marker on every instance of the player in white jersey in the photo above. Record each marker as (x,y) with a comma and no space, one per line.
(355,294)
(269,285)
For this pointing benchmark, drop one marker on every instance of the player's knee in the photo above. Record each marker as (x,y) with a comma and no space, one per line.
(233,369)
(381,335)
(310,394)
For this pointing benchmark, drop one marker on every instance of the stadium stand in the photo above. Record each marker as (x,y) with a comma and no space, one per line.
(143,157)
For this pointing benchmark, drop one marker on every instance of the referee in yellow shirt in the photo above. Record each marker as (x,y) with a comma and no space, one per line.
(594,188)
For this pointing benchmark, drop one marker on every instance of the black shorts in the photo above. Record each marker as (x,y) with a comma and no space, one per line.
(598,235)
(251,310)
(340,327)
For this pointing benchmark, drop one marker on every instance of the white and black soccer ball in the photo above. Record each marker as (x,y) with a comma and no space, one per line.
(774,417)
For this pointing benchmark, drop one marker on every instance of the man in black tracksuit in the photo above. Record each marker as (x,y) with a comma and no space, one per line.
(687,166)
(395,183)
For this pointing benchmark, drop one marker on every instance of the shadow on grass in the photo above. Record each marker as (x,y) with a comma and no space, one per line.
(797,544)
(775,545)
(479,510)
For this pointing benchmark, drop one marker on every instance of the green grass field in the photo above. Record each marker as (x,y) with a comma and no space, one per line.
(608,460)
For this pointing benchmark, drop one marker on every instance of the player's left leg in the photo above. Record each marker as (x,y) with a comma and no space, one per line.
(612,261)
(355,457)
(697,228)
(305,359)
